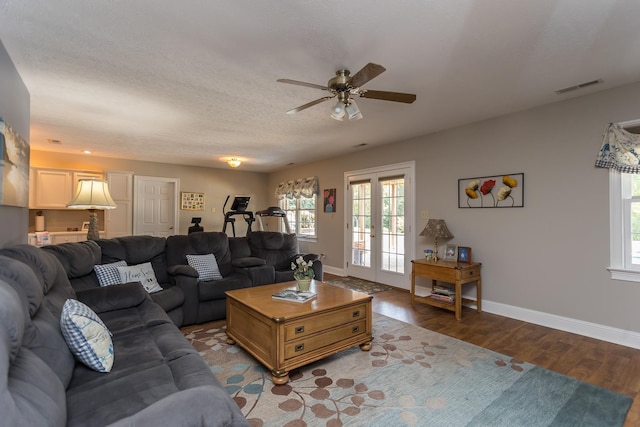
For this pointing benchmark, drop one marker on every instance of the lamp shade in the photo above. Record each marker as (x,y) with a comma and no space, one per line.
(92,194)
(437,229)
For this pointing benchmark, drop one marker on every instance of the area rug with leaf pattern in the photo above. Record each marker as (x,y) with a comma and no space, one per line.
(410,377)
(359,285)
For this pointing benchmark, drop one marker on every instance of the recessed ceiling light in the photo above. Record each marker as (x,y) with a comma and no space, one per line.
(54,141)
(86,151)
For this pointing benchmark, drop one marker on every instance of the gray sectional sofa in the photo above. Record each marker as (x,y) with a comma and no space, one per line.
(157,377)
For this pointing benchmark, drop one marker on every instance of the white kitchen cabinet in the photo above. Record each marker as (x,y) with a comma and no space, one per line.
(54,188)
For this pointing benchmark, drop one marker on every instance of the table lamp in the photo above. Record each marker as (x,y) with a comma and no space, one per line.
(437,229)
(92,194)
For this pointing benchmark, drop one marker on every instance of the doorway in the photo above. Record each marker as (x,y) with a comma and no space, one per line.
(379,242)
(155,206)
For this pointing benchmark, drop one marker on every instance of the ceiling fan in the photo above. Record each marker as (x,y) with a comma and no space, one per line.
(344,86)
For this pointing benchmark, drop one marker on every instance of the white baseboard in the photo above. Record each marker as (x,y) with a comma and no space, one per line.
(334,270)
(593,330)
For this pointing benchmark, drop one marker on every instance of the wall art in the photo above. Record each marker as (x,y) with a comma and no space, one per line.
(191,201)
(330,200)
(497,191)
(14,168)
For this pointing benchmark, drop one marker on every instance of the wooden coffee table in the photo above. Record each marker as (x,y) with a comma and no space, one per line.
(284,335)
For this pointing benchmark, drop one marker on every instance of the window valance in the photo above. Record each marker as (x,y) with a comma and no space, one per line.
(620,150)
(304,187)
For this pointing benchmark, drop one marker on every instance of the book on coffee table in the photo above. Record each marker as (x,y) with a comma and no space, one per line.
(293,295)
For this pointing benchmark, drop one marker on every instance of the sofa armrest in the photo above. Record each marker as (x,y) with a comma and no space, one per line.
(204,406)
(250,261)
(259,274)
(183,270)
(114,297)
(189,285)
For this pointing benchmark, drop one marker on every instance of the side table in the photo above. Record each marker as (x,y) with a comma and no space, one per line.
(449,272)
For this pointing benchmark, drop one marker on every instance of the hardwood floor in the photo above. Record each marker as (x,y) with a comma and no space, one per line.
(608,365)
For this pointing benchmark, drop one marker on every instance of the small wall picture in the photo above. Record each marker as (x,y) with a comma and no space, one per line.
(330,200)
(191,201)
(85,226)
(464,254)
(451,253)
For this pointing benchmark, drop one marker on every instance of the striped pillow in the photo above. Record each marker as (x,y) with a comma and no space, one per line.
(108,274)
(206,266)
(86,336)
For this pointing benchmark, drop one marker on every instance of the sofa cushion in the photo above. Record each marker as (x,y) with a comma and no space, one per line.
(42,336)
(137,250)
(208,242)
(206,266)
(31,394)
(277,248)
(108,274)
(86,335)
(77,258)
(142,273)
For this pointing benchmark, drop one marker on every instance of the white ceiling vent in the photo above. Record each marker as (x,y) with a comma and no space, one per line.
(580,86)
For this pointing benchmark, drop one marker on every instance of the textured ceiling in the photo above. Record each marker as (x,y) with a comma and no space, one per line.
(195,82)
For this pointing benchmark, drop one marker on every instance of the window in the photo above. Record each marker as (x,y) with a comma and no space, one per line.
(301,214)
(624,201)
(298,200)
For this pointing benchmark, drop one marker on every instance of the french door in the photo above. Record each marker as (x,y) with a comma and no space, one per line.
(379,242)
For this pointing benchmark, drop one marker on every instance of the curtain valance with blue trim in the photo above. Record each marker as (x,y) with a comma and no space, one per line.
(304,187)
(620,150)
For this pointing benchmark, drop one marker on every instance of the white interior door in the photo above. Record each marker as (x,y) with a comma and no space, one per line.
(155,206)
(379,241)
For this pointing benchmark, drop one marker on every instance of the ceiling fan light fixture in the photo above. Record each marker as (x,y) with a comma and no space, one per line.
(234,162)
(338,111)
(353,110)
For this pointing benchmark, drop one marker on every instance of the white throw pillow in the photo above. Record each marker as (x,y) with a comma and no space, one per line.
(86,336)
(206,266)
(142,273)
(108,274)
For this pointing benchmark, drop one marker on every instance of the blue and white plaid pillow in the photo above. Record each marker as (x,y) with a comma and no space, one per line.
(206,266)
(108,274)
(86,336)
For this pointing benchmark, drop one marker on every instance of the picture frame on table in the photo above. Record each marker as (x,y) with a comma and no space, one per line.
(464,254)
(450,253)
(85,226)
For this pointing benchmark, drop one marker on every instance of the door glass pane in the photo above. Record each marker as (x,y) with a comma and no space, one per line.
(392,230)
(361,224)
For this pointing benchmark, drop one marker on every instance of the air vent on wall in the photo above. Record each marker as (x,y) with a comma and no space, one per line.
(580,86)
(54,141)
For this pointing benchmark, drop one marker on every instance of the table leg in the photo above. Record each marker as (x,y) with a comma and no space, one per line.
(280,377)
(413,288)
(365,346)
(458,301)
(479,294)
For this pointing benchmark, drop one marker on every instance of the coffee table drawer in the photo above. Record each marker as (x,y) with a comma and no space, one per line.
(322,322)
(311,343)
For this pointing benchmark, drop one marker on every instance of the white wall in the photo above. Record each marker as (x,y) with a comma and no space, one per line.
(15,109)
(550,256)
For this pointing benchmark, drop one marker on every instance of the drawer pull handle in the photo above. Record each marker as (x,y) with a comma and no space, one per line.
(356,313)
(299,329)
(355,329)
(300,347)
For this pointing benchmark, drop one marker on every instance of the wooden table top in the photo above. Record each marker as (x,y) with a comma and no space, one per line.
(329,297)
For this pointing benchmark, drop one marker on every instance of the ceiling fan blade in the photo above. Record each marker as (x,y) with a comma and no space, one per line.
(295,82)
(309,104)
(367,73)
(388,96)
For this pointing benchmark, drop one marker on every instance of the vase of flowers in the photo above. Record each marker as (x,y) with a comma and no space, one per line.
(303,273)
